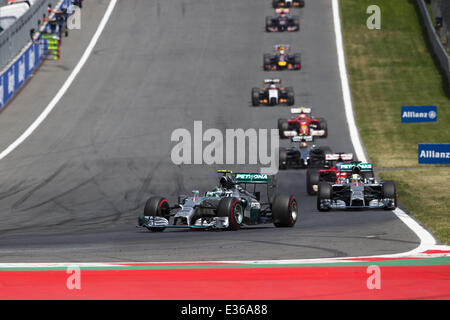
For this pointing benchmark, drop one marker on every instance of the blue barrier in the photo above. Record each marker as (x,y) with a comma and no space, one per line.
(412,114)
(434,153)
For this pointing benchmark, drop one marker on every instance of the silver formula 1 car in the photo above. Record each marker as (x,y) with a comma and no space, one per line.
(232,204)
(358,191)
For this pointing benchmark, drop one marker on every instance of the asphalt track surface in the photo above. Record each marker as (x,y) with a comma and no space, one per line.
(73,190)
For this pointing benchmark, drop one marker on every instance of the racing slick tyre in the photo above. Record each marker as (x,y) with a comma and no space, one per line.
(268,23)
(255,97)
(298,60)
(301,3)
(275,4)
(157,207)
(388,191)
(283,125)
(233,209)
(312,179)
(284,211)
(325,193)
(283,159)
(296,22)
(323,126)
(267,61)
(290,96)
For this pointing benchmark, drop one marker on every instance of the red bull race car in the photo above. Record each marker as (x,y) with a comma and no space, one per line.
(282,22)
(282,59)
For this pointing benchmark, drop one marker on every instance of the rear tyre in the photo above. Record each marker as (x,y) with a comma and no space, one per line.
(296,22)
(312,179)
(233,209)
(324,193)
(298,60)
(323,126)
(290,97)
(301,3)
(285,211)
(157,207)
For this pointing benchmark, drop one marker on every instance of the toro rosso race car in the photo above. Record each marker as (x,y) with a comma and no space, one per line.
(357,191)
(331,172)
(288,3)
(303,156)
(282,59)
(283,22)
(302,124)
(272,94)
(235,202)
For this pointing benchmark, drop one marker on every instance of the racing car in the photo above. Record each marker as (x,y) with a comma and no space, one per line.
(288,3)
(232,204)
(272,94)
(331,172)
(282,22)
(282,59)
(303,156)
(356,191)
(302,124)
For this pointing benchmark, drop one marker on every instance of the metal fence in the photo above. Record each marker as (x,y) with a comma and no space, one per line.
(438,48)
(16,37)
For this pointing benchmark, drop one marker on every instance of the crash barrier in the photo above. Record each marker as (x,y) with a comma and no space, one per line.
(16,73)
(17,36)
(435,41)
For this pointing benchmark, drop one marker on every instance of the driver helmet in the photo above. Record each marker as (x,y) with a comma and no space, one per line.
(282,51)
(303,144)
(273,86)
(356,178)
(302,115)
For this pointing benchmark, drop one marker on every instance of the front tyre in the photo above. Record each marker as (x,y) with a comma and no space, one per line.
(233,209)
(389,192)
(157,207)
(285,211)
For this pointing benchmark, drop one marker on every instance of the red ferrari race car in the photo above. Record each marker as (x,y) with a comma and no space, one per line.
(302,124)
(288,3)
(282,59)
(331,172)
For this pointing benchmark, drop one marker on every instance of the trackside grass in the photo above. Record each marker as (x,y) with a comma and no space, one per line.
(389,68)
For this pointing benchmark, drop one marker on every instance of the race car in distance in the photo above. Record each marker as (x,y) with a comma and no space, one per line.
(228,206)
(356,191)
(282,59)
(283,22)
(288,3)
(303,156)
(331,172)
(273,94)
(302,124)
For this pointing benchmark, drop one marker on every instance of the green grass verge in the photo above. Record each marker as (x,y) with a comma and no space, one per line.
(389,68)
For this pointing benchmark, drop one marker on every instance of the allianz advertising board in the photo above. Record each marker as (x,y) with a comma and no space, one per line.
(411,114)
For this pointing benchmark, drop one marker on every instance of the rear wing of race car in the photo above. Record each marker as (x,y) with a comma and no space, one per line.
(300,110)
(272,81)
(257,179)
(339,156)
(282,10)
(286,47)
(355,167)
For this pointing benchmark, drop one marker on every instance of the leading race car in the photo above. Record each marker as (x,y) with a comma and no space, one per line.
(331,172)
(228,206)
(302,124)
(282,22)
(288,3)
(303,156)
(357,192)
(282,59)
(272,94)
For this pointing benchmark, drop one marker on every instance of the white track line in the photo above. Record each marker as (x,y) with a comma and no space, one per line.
(65,86)
(426,239)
